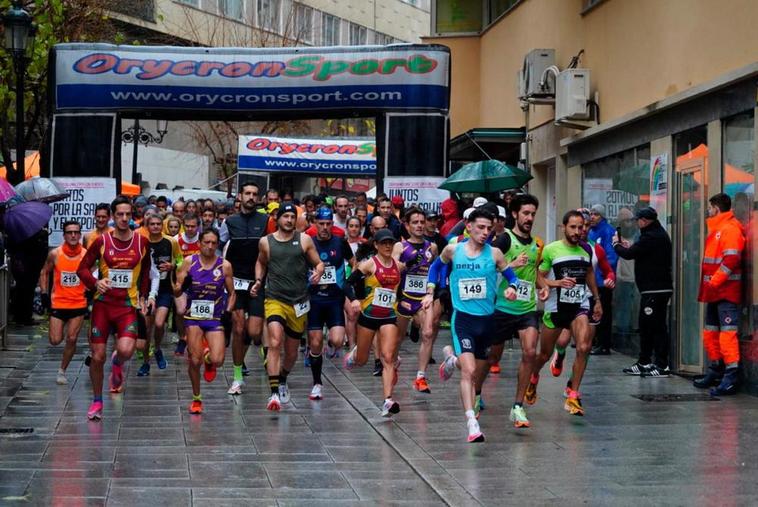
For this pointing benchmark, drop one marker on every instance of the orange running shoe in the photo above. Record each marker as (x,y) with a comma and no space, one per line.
(530,397)
(573,404)
(495,368)
(556,364)
(421,385)
(196,407)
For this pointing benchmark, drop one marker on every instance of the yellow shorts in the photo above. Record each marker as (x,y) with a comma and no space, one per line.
(284,313)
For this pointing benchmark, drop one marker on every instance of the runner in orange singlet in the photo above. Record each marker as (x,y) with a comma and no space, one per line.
(124,266)
(67,302)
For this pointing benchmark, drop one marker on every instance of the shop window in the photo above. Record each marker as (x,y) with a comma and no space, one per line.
(621,183)
(738,180)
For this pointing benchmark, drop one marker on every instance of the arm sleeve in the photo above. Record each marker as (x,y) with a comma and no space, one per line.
(732,244)
(347,252)
(436,271)
(85,266)
(602,262)
(355,288)
(510,275)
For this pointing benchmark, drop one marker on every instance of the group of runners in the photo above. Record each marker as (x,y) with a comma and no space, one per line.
(282,275)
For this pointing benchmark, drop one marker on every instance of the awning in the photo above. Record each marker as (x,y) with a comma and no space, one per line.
(501,144)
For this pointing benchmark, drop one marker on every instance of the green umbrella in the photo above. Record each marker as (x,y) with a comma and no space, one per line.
(486,176)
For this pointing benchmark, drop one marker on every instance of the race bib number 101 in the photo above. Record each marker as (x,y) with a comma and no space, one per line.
(383,298)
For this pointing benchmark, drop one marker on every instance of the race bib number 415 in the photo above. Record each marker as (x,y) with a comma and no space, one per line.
(120,278)
(472,288)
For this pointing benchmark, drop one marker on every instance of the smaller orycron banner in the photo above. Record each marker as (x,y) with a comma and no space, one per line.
(344,157)
(105,77)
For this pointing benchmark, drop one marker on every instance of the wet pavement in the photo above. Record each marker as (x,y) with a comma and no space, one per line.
(678,450)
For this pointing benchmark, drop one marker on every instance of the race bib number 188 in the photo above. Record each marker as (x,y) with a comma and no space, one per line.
(202,309)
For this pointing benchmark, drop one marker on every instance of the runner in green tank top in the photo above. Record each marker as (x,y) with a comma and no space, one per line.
(518,317)
(285,255)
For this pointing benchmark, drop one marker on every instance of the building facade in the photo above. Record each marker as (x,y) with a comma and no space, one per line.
(672,119)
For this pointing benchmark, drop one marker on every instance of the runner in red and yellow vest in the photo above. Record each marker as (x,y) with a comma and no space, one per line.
(122,290)
(721,290)
(67,302)
(189,244)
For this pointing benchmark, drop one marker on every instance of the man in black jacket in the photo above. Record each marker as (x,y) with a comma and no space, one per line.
(652,274)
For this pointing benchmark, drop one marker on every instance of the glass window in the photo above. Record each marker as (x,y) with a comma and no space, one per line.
(193,3)
(330,30)
(268,14)
(621,183)
(738,179)
(234,9)
(382,39)
(497,7)
(457,16)
(303,23)
(357,35)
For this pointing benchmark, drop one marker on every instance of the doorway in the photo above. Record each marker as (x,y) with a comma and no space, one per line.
(691,169)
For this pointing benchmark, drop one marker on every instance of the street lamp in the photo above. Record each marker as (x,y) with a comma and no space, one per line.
(137,135)
(19,34)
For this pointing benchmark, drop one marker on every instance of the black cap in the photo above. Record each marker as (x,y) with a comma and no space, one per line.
(383,235)
(647,212)
(286,207)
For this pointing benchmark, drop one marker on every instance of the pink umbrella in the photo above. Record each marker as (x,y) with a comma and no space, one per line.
(7,192)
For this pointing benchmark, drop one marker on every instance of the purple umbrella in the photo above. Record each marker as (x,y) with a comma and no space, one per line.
(7,192)
(24,220)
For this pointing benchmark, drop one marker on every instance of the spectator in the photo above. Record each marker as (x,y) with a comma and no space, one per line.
(451,216)
(624,299)
(162,203)
(384,209)
(26,260)
(652,256)
(602,233)
(272,195)
(721,291)
(341,209)
(398,205)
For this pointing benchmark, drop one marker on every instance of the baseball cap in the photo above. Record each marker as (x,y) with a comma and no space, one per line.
(285,207)
(271,207)
(599,209)
(397,200)
(647,212)
(480,201)
(384,235)
(501,212)
(324,213)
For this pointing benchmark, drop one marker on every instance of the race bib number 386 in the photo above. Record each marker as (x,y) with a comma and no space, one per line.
(415,284)
(472,288)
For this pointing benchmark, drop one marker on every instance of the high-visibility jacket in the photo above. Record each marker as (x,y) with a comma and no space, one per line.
(721,270)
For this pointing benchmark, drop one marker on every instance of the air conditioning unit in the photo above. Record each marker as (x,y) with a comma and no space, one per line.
(572,94)
(535,63)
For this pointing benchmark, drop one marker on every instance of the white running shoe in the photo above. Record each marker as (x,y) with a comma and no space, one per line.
(447,368)
(273,403)
(315,393)
(61,379)
(236,387)
(390,407)
(284,393)
(474,432)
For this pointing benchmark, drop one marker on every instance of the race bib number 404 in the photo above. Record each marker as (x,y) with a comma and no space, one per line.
(120,278)
(472,288)
(574,295)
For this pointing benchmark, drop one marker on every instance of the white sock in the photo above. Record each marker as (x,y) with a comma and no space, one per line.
(470,414)
(61,371)
(420,374)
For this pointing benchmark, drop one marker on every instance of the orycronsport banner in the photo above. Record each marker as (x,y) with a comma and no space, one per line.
(108,77)
(345,157)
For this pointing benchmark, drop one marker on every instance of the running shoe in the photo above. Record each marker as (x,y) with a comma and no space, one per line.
(144,370)
(530,396)
(421,385)
(61,379)
(556,364)
(518,417)
(654,370)
(95,411)
(378,368)
(349,362)
(273,403)
(448,365)
(495,368)
(390,407)
(160,359)
(196,407)
(477,405)
(117,375)
(315,393)
(210,370)
(573,404)
(474,432)
(236,387)
(636,369)
(284,393)
(181,345)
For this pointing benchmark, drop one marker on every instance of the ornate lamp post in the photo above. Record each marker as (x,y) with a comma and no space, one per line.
(137,135)
(19,35)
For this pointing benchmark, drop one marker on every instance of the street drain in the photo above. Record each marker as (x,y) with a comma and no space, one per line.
(675,397)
